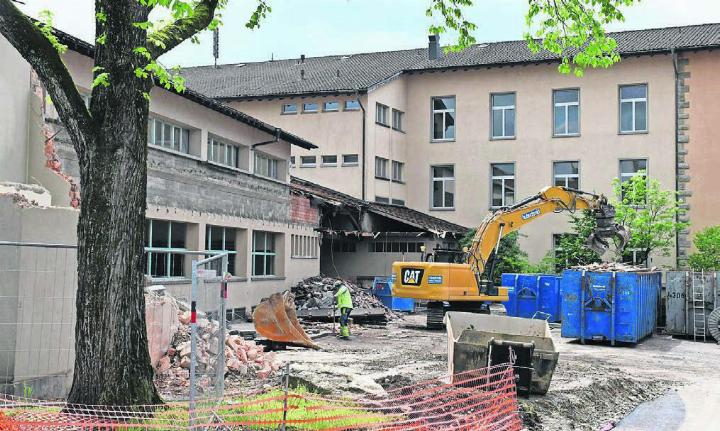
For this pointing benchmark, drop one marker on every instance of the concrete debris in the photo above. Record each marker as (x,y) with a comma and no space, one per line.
(319,293)
(613,267)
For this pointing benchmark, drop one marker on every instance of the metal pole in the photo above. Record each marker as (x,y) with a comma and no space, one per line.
(286,385)
(193,340)
(220,362)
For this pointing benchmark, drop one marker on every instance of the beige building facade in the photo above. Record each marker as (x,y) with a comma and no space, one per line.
(462,134)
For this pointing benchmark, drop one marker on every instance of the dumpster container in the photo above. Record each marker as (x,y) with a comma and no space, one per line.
(471,338)
(530,293)
(382,288)
(613,306)
(682,315)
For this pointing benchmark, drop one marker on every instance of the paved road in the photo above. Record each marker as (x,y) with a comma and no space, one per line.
(695,407)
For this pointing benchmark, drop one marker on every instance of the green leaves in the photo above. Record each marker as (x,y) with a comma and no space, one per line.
(575,31)
(451,14)
(261,11)
(45,25)
(649,212)
(707,256)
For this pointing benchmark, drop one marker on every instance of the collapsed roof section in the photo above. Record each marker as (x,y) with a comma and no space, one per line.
(345,215)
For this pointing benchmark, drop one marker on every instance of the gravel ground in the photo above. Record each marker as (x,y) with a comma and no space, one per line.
(593,386)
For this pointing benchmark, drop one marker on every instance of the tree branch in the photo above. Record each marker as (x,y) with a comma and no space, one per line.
(182,29)
(37,50)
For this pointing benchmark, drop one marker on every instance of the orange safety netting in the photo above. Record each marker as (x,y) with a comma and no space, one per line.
(483,399)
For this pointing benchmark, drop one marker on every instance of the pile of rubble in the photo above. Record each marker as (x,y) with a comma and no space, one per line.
(319,292)
(613,267)
(243,358)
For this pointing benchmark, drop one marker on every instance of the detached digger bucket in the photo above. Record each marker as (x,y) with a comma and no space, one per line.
(276,320)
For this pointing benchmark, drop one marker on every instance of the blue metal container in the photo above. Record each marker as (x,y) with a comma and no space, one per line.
(614,306)
(382,288)
(533,296)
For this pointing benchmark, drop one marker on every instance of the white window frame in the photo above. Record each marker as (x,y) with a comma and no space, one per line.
(634,101)
(381,114)
(626,176)
(303,247)
(398,202)
(382,199)
(566,107)
(270,162)
(347,102)
(398,168)
(445,113)
(356,163)
(398,118)
(309,164)
(381,168)
(443,180)
(183,147)
(504,109)
(502,178)
(326,109)
(213,146)
(310,111)
(265,254)
(566,177)
(167,249)
(328,164)
(284,111)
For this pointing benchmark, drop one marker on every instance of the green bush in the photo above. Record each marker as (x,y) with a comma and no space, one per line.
(707,256)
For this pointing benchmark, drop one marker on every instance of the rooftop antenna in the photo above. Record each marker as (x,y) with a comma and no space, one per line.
(216,45)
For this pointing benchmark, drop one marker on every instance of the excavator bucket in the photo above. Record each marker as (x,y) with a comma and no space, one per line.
(276,320)
(606,229)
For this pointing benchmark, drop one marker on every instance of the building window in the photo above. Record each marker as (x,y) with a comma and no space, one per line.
(344,246)
(381,114)
(566,112)
(289,108)
(223,153)
(397,171)
(567,174)
(395,247)
(398,118)
(307,161)
(399,202)
(503,115)
(382,200)
(303,247)
(352,105)
(331,106)
(443,187)
(168,135)
(350,159)
(221,239)
(329,160)
(443,125)
(310,107)
(503,185)
(169,237)
(266,166)
(292,161)
(263,254)
(381,168)
(633,108)
(630,168)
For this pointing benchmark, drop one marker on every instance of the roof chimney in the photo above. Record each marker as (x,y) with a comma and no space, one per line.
(434,47)
(302,58)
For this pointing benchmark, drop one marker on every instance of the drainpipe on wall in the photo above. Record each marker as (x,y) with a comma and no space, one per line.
(677,148)
(357,97)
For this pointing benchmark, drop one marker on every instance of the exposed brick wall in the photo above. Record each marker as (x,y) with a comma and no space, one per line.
(682,168)
(301,211)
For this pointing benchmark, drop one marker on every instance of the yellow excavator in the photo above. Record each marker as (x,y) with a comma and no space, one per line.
(467,286)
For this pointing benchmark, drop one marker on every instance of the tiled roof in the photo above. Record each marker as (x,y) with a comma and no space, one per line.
(88,50)
(360,72)
(399,213)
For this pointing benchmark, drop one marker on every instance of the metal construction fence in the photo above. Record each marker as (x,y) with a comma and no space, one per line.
(483,399)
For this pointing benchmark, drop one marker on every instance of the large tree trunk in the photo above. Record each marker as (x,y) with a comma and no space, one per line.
(112,364)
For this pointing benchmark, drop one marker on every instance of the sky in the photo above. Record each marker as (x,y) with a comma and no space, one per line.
(324,27)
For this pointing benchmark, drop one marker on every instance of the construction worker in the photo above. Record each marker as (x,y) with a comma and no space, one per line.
(344,303)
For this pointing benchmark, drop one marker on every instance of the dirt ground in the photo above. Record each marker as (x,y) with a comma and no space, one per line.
(593,386)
